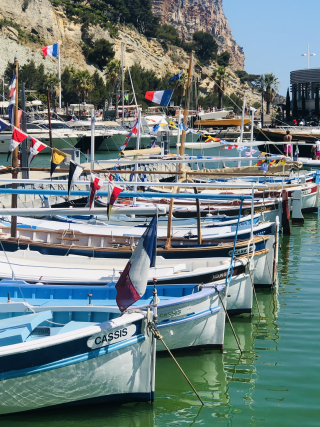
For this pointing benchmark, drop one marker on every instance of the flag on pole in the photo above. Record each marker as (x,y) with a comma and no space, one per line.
(57,157)
(181,126)
(135,128)
(75,171)
(161,97)
(35,148)
(113,193)
(95,185)
(16,139)
(133,281)
(3,125)
(12,86)
(12,97)
(153,143)
(51,50)
(171,123)
(176,77)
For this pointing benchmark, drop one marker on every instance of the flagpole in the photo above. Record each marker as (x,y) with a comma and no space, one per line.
(49,120)
(122,82)
(15,161)
(186,108)
(59,74)
(92,138)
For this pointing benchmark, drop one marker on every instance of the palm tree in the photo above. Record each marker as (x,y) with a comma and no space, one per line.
(84,83)
(220,78)
(112,72)
(52,82)
(268,86)
(180,88)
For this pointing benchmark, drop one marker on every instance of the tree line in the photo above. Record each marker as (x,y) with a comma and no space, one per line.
(80,86)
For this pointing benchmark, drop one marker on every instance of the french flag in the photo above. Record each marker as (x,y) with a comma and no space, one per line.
(35,148)
(51,50)
(12,86)
(132,283)
(161,97)
(16,139)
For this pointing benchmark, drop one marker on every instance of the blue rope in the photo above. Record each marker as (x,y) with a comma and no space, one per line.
(230,269)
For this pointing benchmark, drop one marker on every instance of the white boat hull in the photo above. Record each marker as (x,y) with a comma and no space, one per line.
(197,323)
(121,374)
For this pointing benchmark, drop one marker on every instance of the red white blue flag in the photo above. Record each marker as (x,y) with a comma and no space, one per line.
(12,86)
(51,50)
(161,97)
(133,281)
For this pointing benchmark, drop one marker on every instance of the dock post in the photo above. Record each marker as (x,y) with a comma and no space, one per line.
(285,213)
(297,216)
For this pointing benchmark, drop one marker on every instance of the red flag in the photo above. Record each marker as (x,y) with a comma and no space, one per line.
(16,139)
(95,185)
(113,193)
(35,148)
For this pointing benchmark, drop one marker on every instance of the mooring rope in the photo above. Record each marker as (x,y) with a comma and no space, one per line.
(158,336)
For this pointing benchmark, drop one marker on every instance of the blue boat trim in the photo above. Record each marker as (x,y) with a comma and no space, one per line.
(188,298)
(190,318)
(125,194)
(74,359)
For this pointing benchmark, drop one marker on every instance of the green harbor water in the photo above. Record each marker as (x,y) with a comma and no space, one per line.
(275,383)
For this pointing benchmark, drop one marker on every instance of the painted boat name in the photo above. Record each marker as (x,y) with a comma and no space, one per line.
(105,338)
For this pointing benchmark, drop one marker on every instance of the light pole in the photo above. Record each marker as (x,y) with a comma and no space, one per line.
(308,55)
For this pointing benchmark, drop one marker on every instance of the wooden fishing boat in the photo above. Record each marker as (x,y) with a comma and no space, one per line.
(37,370)
(221,122)
(34,267)
(188,315)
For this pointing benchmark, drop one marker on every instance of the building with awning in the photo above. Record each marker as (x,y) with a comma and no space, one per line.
(307,80)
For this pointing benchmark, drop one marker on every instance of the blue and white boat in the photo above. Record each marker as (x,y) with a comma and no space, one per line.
(76,363)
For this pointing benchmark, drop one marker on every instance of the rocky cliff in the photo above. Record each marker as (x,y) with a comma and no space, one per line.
(188,16)
(51,24)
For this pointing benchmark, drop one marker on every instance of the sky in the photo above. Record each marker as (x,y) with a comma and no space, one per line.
(274,34)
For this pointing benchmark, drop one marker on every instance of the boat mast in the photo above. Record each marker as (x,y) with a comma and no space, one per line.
(49,120)
(186,109)
(122,82)
(15,161)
